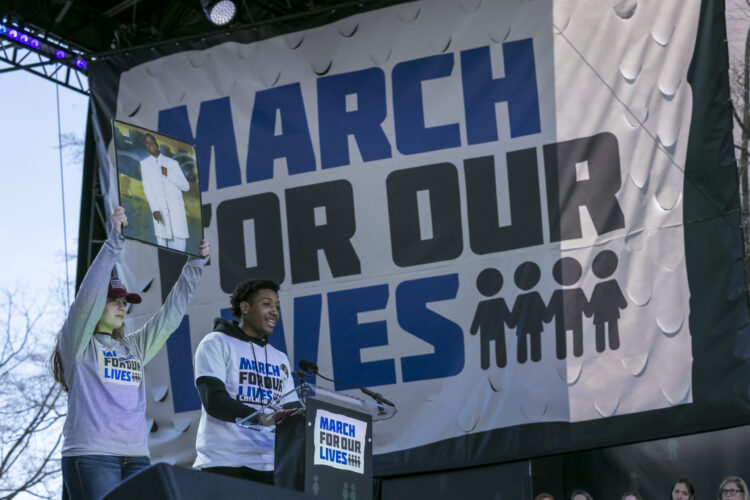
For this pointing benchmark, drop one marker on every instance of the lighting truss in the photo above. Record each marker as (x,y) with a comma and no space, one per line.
(43,55)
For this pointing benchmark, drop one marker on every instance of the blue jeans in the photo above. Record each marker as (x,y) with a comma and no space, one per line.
(89,477)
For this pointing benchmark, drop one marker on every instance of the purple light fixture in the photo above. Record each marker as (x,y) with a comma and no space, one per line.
(45,47)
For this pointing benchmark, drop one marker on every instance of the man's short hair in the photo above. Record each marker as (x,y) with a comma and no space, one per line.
(245,292)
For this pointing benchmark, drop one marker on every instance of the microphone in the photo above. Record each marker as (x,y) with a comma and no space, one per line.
(376,396)
(308,366)
(312,368)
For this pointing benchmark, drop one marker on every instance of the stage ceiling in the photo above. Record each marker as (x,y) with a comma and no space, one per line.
(101,27)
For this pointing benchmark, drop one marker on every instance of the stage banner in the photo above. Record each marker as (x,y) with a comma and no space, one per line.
(516,220)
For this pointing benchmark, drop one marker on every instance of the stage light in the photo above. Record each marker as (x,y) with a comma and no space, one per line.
(219,12)
(46,47)
(26,40)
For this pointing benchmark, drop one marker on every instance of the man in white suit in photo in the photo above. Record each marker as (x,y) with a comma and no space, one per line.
(163,184)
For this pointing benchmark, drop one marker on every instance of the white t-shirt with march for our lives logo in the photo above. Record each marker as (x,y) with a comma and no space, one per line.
(253,375)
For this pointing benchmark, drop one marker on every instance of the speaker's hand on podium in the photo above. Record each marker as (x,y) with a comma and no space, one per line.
(275,417)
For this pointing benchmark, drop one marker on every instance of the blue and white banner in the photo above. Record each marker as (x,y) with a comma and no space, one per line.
(474,207)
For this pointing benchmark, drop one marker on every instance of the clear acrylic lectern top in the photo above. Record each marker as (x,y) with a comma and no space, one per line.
(294,402)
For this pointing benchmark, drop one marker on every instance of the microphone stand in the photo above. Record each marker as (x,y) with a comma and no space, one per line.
(374,395)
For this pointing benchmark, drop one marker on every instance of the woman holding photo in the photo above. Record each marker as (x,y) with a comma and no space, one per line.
(105,437)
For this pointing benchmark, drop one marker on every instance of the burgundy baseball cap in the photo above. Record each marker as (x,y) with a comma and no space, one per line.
(117,290)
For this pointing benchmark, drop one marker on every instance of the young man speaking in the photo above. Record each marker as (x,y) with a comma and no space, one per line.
(237,372)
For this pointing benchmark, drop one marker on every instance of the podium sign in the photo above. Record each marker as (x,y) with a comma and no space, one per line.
(325,451)
(339,441)
(338,451)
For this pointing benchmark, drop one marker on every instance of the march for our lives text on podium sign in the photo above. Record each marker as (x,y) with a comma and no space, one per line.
(339,441)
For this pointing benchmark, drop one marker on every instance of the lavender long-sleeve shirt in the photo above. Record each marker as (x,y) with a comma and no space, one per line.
(107,400)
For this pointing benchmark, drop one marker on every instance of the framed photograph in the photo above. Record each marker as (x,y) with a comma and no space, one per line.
(158,186)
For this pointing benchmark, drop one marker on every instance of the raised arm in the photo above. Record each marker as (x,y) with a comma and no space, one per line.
(152,336)
(88,305)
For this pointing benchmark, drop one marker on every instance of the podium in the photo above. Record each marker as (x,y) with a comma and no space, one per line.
(325,447)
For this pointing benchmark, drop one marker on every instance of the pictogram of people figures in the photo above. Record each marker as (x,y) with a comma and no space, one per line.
(567,306)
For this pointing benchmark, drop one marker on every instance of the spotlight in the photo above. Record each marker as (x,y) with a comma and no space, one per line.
(219,12)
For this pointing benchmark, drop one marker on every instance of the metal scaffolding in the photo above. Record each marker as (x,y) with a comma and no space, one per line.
(24,48)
